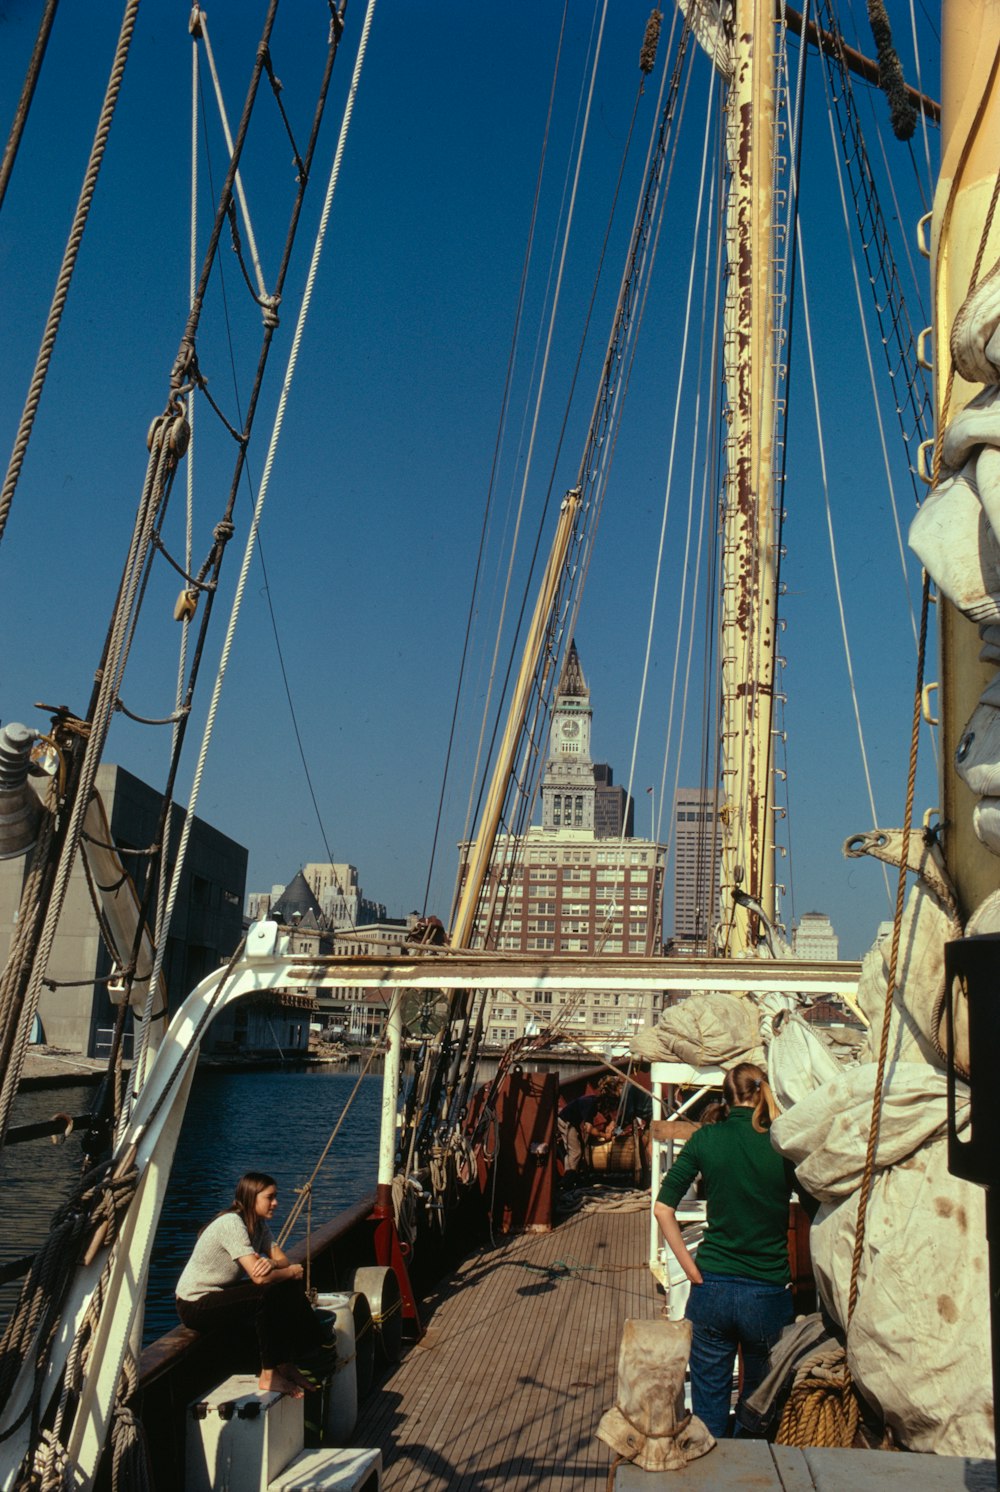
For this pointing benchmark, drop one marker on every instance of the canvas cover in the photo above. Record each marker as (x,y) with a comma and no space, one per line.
(918,1346)
(649,1424)
(707,1030)
(798,1061)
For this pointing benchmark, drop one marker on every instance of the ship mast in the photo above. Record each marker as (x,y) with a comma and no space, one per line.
(970,129)
(749,568)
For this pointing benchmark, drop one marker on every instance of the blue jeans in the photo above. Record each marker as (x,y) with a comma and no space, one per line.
(727,1312)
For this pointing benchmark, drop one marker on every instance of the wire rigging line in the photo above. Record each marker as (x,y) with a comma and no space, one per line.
(876,406)
(595,464)
(45,351)
(471,814)
(267,583)
(498,445)
(186,364)
(27,94)
(929,182)
(913,403)
(199,27)
(675,426)
(250,546)
(833,546)
(713,257)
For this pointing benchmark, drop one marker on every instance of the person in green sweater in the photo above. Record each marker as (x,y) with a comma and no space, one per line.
(740,1284)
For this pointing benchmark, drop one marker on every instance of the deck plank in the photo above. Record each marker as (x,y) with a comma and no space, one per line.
(520,1361)
(518,1365)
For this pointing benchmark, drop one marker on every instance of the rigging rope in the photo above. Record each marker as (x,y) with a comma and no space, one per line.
(262,493)
(695,420)
(497,448)
(849,662)
(27,94)
(187,359)
(72,250)
(901,109)
(473,812)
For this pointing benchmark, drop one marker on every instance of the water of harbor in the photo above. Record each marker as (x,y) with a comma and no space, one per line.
(276,1122)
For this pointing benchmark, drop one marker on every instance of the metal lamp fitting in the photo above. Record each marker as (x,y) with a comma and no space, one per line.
(20,808)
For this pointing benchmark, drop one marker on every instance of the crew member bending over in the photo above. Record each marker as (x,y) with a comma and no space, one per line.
(740,1284)
(578,1120)
(238,1275)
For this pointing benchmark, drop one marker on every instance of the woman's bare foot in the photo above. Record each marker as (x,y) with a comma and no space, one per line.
(291,1374)
(273,1381)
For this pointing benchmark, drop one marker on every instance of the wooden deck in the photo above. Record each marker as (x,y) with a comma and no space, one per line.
(518,1363)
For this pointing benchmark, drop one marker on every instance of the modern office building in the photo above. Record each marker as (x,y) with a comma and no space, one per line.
(814,937)
(336,891)
(78,1015)
(697,862)
(579,882)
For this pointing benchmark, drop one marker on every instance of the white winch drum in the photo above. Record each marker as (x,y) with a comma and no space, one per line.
(340,1409)
(364,1343)
(381,1287)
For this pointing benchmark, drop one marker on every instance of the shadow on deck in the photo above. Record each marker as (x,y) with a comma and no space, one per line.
(519,1361)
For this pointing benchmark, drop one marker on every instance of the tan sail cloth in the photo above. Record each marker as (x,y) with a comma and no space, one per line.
(798,1061)
(930,919)
(649,1424)
(907,1039)
(918,1345)
(707,1030)
(956,533)
(825,1135)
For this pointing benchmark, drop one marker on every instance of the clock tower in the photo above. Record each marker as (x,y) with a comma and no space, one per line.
(568,789)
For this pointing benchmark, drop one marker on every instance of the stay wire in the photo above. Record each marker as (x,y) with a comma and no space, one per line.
(276,429)
(250,488)
(482,775)
(79,224)
(497,448)
(187,358)
(27,94)
(607,405)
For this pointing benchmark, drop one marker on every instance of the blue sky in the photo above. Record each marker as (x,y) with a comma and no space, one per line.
(376,500)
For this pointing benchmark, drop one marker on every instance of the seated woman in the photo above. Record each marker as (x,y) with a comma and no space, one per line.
(238,1275)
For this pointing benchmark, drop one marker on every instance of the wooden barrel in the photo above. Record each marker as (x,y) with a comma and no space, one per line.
(614,1156)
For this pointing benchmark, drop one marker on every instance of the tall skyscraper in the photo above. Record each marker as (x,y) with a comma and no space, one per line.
(814,937)
(577,883)
(697,861)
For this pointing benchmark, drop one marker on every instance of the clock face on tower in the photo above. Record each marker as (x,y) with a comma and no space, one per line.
(570,729)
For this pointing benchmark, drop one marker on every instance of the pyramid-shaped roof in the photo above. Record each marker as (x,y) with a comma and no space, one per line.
(297,902)
(572,681)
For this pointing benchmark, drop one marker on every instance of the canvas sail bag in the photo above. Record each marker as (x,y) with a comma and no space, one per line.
(918,1345)
(649,1424)
(707,1030)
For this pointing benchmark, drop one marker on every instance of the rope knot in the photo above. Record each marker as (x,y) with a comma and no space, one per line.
(223,532)
(650,42)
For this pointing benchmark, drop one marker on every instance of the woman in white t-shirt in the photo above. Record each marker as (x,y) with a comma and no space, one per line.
(238,1275)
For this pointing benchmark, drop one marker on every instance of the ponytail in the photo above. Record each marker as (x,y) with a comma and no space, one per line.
(747,1084)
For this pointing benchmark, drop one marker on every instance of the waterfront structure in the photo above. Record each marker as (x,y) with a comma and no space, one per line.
(579,882)
(357,1014)
(697,866)
(345,1013)
(78,1014)
(336,890)
(814,937)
